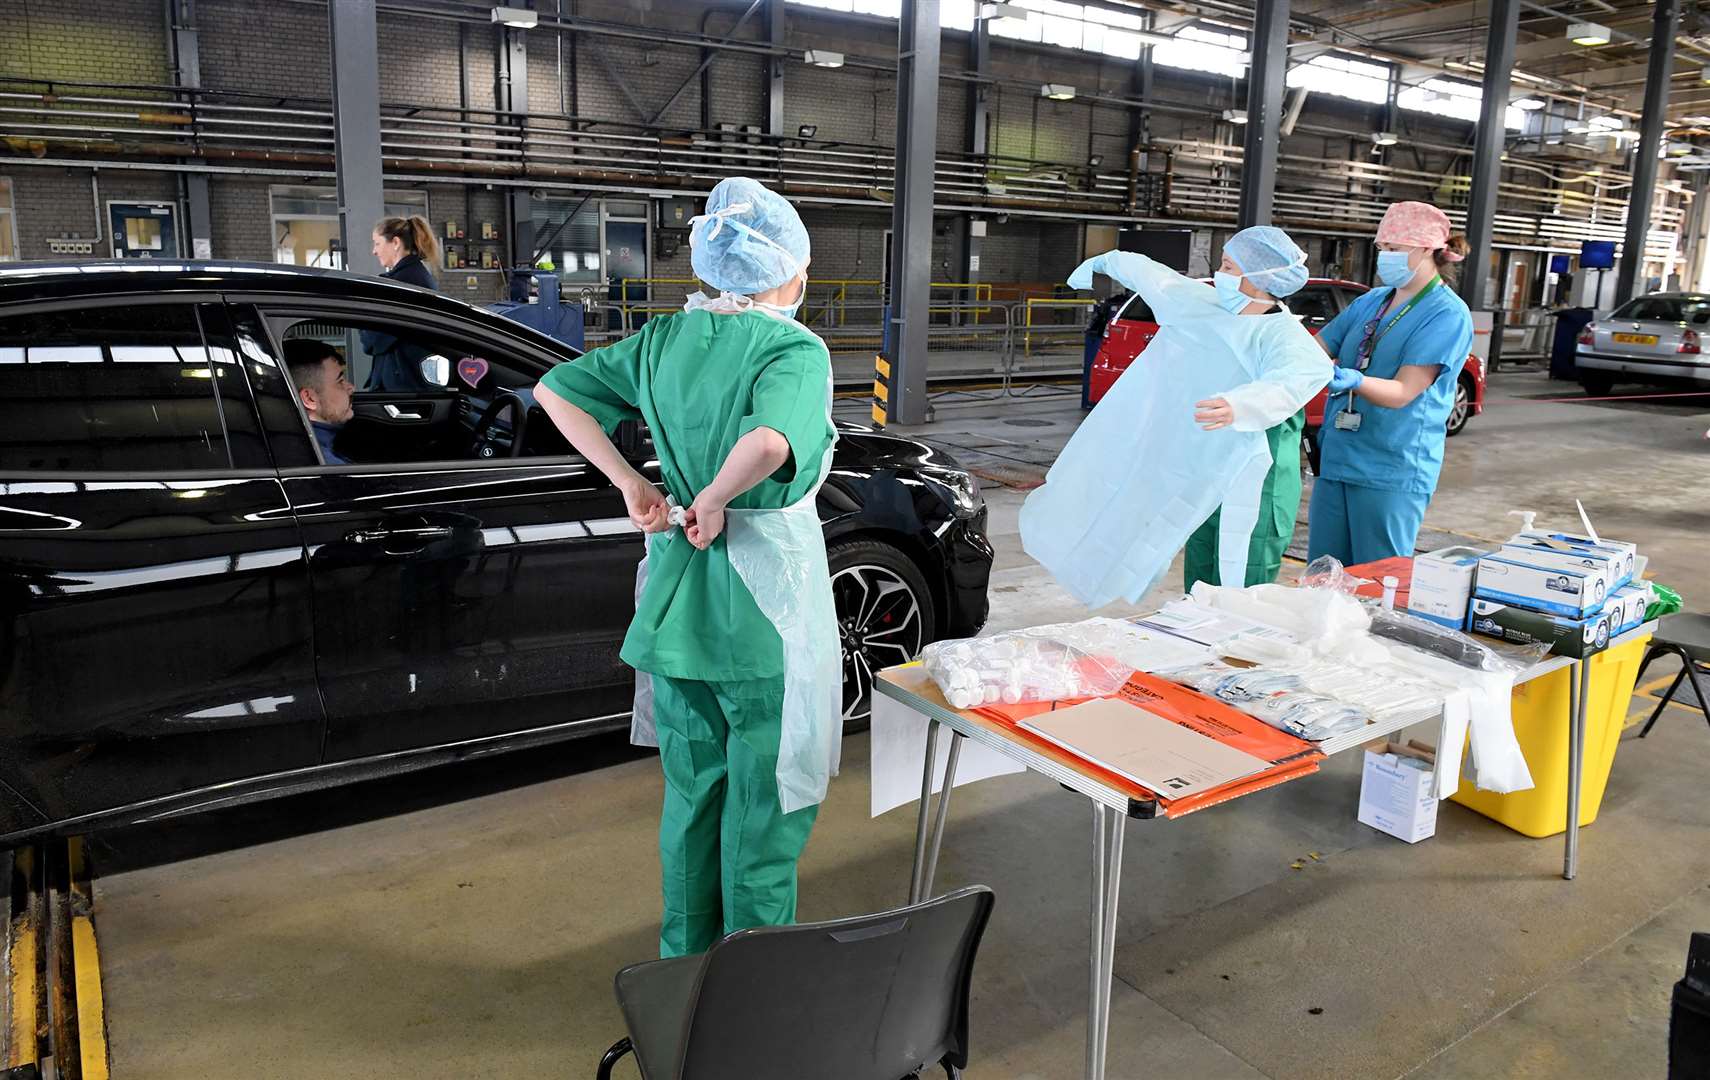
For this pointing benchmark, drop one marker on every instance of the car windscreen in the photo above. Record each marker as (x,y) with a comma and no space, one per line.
(1664,308)
(1136,311)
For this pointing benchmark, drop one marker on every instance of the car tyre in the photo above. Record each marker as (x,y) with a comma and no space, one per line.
(1461,411)
(1596,385)
(885,615)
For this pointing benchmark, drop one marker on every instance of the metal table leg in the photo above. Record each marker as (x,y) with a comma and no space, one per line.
(932,727)
(1576,763)
(931,871)
(1107,884)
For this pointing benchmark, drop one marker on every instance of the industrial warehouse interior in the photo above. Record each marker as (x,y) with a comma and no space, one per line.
(855,539)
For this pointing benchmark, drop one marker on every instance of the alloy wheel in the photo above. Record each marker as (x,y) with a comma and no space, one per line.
(879,625)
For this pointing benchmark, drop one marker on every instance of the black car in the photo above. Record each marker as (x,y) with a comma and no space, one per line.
(196,611)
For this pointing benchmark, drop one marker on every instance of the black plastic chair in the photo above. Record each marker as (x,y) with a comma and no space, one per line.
(878,997)
(1688,637)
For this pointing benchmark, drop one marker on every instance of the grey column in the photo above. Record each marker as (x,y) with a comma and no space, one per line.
(775,68)
(1264,112)
(1650,142)
(979,95)
(187,73)
(356,129)
(911,217)
(1488,143)
(513,99)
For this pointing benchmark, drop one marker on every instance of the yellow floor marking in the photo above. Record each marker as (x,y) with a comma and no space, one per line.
(24,932)
(91,1006)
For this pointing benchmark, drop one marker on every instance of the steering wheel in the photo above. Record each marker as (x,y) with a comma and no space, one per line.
(481,443)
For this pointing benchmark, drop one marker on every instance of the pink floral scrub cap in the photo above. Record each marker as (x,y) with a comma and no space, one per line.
(1416,224)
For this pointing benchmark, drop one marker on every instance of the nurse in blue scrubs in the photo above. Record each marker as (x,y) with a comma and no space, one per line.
(1398,351)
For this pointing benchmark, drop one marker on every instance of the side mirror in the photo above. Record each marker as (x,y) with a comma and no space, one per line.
(1702,318)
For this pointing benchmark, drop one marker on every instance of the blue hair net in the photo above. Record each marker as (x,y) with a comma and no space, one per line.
(1269,259)
(749,239)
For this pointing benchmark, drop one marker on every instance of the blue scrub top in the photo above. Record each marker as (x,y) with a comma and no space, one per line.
(1396,449)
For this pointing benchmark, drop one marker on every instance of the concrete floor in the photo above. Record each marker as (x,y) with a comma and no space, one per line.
(467,921)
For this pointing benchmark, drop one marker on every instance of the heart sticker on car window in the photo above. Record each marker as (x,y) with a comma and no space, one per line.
(472,369)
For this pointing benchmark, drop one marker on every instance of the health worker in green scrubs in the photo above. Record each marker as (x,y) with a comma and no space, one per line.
(1399,352)
(1261,266)
(737,395)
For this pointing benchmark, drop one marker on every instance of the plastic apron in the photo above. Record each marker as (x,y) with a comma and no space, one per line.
(780,557)
(1140,475)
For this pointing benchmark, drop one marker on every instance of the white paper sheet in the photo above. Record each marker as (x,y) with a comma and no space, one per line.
(899,756)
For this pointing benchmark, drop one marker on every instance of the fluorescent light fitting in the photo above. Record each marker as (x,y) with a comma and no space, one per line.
(1588,34)
(1704,75)
(1578,127)
(516,17)
(1385,138)
(823,58)
(989,12)
(1680,149)
(807,131)
(1608,123)
(1235,116)
(1529,104)
(1057,91)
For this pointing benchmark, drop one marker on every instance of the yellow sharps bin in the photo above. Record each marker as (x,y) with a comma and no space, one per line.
(1541,720)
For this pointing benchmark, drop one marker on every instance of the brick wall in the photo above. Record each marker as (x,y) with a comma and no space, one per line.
(281,49)
(60,203)
(110,41)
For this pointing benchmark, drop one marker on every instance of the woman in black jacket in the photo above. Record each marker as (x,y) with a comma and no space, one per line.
(405,248)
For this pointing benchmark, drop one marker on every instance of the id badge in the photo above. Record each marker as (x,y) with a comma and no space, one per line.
(1347,420)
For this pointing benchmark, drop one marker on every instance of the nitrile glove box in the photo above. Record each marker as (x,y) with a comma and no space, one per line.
(1442,586)
(1627,607)
(1623,555)
(1552,588)
(1396,797)
(1523,626)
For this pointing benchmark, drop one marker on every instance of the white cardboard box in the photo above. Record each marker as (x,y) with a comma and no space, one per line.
(1624,553)
(1571,593)
(1395,798)
(1443,585)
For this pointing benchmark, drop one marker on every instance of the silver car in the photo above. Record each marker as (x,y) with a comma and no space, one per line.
(1649,339)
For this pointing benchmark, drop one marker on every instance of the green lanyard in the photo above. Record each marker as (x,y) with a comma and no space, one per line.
(1405,308)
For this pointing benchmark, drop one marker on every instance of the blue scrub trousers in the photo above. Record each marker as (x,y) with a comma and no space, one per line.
(1362,524)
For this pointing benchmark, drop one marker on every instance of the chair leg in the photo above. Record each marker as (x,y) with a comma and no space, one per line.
(1666,698)
(1651,653)
(619,1049)
(1698,688)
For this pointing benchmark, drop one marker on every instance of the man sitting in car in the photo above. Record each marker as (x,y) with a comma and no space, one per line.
(318,373)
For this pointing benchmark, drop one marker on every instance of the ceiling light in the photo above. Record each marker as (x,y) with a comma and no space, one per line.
(823,58)
(807,131)
(1588,34)
(1697,121)
(1704,75)
(1385,138)
(1530,104)
(1608,123)
(989,12)
(1680,149)
(516,17)
(1235,116)
(1057,92)
(1095,161)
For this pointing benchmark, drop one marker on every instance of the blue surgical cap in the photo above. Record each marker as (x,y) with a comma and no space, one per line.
(749,239)
(1268,259)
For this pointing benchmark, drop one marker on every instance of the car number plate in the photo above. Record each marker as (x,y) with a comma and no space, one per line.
(1635,339)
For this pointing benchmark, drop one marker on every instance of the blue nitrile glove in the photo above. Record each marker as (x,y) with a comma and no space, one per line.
(1345,378)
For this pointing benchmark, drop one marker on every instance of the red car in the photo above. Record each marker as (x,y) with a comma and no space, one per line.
(1317,302)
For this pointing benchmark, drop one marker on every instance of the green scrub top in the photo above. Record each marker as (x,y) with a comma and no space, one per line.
(702,381)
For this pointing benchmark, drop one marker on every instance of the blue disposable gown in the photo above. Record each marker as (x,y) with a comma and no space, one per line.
(1140,475)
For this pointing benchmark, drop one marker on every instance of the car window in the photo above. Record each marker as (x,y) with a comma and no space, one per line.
(125,388)
(1314,305)
(1664,308)
(449,409)
(1136,310)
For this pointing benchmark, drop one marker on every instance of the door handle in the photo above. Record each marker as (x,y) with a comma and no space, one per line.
(398,414)
(380,536)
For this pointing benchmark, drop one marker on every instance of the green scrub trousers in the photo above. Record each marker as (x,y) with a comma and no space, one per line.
(727,852)
(1279,504)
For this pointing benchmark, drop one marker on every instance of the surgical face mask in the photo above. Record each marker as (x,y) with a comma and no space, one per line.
(788,311)
(1229,292)
(1394,269)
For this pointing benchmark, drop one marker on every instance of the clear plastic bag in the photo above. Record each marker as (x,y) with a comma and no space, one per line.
(1278,698)
(1025,665)
(1452,645)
